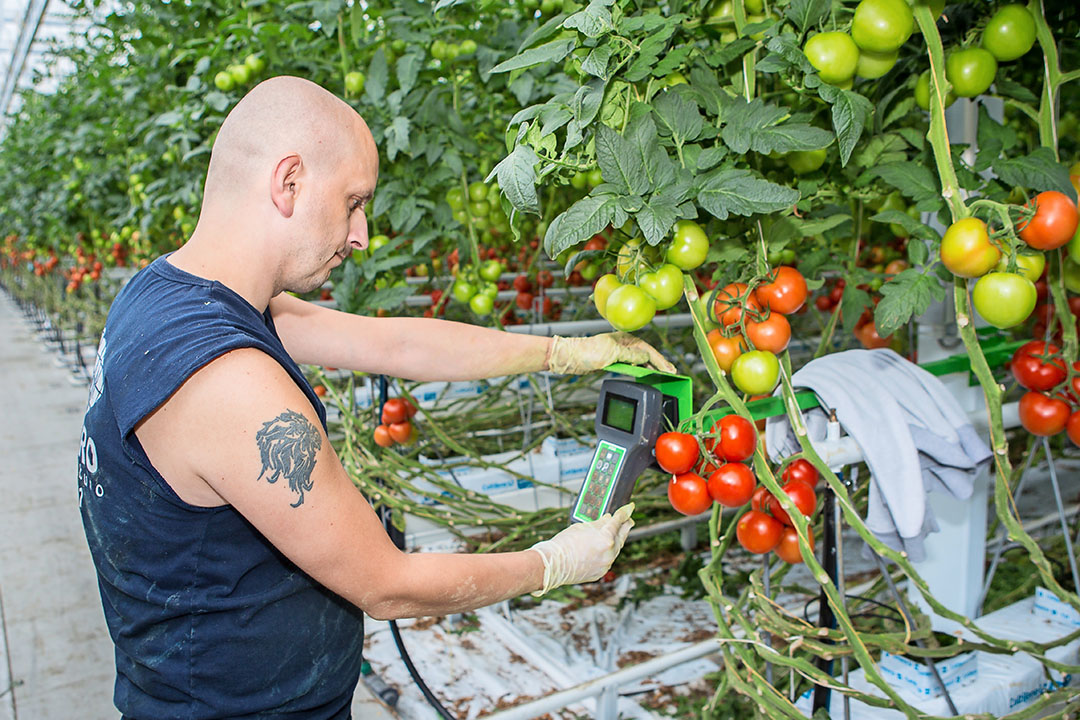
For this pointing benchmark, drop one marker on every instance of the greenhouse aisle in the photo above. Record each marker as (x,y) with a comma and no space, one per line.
(57,657)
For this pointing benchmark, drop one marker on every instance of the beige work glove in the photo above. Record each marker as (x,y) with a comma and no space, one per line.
(579,355)
(583,552)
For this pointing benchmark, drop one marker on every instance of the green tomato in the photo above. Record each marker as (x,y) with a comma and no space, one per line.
(481,208)
(438,50)
(477,191)
(665,286)
(377,241)
(754,6)
(595,177)
(1009,33)
(491,270)
(971,71)
(872,65)
(1004,299)
(223,81)
(689,246)
(1070,269)
(936,6)
(579,180)
(550,7)
(354,82)
(589,271)
(1030,264)
(602,290)
(468,46)
(834,55)
(755,372)
(629,308)
(481,304)
(455,198)
(240,74)
(882,26)
(255,64)
(461,216)
(805,161)
(922,92)
(463,290)
(1073,247)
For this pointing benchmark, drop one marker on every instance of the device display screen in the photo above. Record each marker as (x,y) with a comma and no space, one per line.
(619,413)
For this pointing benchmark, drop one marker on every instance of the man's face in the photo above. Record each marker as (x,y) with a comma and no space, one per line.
(338,220)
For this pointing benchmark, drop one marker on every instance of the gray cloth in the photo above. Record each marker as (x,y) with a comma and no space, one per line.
(913,435)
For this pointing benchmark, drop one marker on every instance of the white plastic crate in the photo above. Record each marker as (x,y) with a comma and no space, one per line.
(916,677)
(1047,606)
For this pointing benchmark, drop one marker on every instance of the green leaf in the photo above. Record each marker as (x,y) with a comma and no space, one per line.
(397,137)
(913,179)
(408,67)
(553,51)
(758,126)
(678,116)
(709,157)
(390,298)
(993,139)
(1038,171)
(587,101)
(917,253)
(517,179)
(850,113)
(902,109)
(786,47)
(658,166)
(1015,90)
(551,26)
(740,192)
(881,149)
(913,226)
(596,62)
(377,75)
(807,13)
(852,304)
(728,52)
(619,163)
(907,295)
(592,22)
(672,61)
(581,221)
(655,219)
(706,88)
(817,226)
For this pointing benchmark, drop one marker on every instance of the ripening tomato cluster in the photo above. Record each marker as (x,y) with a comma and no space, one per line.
(1050,404)
(1002,297)
(754,328)
(731,483)
(649,279)
(396,425)
(878,30)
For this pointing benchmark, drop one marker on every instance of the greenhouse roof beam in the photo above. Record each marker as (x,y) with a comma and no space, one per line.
(31,22)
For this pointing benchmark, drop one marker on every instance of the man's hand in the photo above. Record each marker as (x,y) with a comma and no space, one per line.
(583,552)
(576,356)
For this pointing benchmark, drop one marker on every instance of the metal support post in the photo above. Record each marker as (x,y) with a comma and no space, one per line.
(1065,534)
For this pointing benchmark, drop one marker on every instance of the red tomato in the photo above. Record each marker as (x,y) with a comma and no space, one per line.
(736,438)
(689,494)
(382,436)
(803,470)
(320,390)
(757,532)
(1072,427)
(545,279)
(394,411)
(760,499)
(729,306)
(1053,224)
(524,300)
(772,334)
(788,547)
(1043,415)
(801,494)
(401,431)
(522,283)
(732,485)
(823,303)
(1034,373)
(869,338)
(726,349)
(676,452)
(785,292)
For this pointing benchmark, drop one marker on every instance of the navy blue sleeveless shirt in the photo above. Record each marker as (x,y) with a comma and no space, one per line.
(209,620)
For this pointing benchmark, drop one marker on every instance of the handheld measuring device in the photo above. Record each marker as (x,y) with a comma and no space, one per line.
(630,416)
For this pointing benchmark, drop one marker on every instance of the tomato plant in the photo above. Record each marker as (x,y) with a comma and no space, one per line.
(1037,365)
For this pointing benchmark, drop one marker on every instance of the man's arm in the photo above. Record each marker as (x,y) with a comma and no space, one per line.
(241,430)
(411,348)
(430,349)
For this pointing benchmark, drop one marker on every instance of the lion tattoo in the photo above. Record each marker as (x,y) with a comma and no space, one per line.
(288,445)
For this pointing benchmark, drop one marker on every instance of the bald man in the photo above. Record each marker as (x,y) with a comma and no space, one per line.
(235,557)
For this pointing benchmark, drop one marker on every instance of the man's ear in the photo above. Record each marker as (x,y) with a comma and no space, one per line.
(285,184)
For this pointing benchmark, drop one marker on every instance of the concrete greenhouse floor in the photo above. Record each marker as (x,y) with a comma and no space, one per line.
(57,660)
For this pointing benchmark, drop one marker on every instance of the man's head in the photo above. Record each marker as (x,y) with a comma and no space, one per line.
(293,166)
